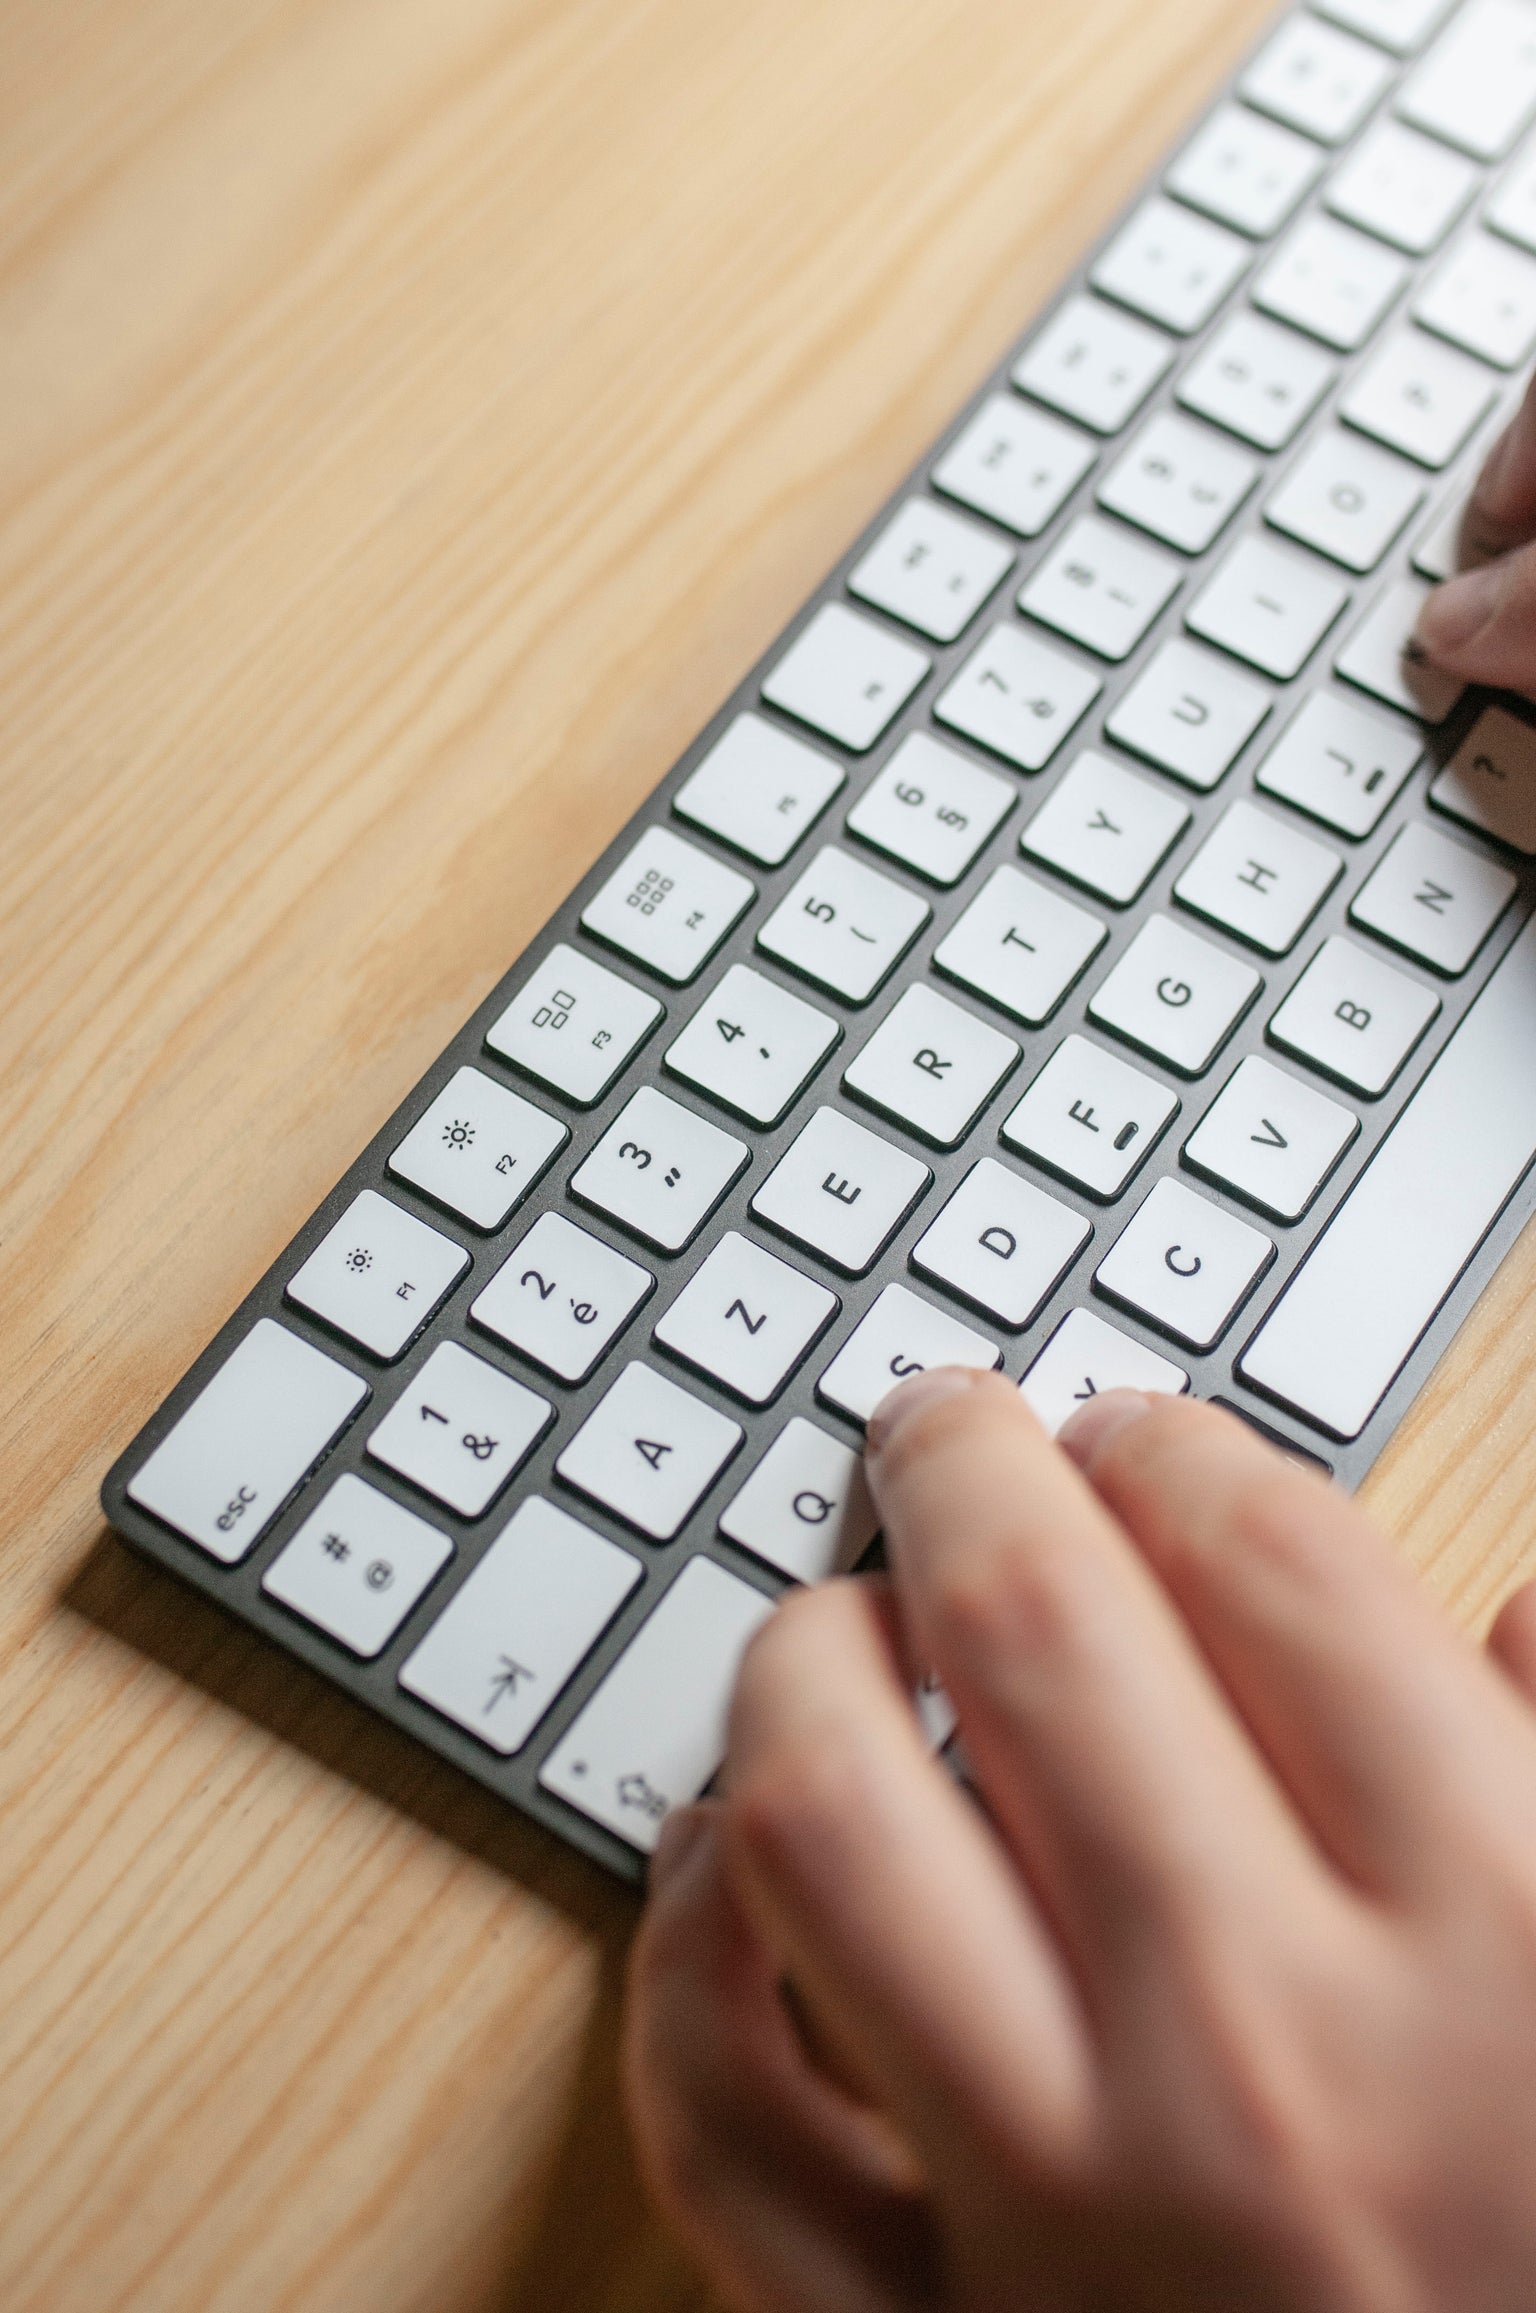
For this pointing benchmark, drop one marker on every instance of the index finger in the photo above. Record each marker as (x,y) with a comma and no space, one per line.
(1501,513)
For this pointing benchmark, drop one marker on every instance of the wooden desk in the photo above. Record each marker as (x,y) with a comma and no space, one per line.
(413,416)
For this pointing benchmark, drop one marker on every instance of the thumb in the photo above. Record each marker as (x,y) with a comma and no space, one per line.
(1482,624)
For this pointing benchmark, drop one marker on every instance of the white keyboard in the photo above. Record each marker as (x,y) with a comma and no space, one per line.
(1085,947)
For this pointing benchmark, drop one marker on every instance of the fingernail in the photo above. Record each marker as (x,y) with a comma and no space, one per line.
(682,1834)
(1102,1418)
(910,1398)
(1457,612)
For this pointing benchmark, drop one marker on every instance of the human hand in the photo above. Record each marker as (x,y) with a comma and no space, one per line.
(1223,1999)
(1481,624)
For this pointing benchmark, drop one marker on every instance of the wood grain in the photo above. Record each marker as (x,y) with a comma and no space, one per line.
(414,414)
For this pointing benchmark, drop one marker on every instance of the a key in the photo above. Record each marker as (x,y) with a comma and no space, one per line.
(900,1335)
(1189,713)
(1353,1017)
(931,808)
(1340,763)
(1483,297)
(1403,188)
(1257,380)
(1184,1265)
(562,1297)
(1259,878)
(931,1067)
(1018,697)
(1378,657)
(1269,1140)
(460,1429)
(1400,26)
(378,1274)
(1348,500)
(1268,606)
(1001,1244)
(1101,588)
(805,1509)
(1170,266)
(1434,898)
(1090,1119)
(659,1170)
(668,906)
(526,1618)
(759,789)
(478,1149)
(574,1025)
(931,569)
(1094,365)
(1316,79)
(648,1452)
(1015,464)
(1020,945)
(746,1319)
(357,1566)
(1419,397)
(841,1191)
(1180,482)
(843,926)
(1512,211)
(1330,281)
(1083,1358)
(1490,781)
(1105,827)
(846,676)
(1245,172)
(752,1046)
(1476,88)
(1175,996)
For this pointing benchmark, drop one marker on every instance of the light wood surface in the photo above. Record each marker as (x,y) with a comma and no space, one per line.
(414,415)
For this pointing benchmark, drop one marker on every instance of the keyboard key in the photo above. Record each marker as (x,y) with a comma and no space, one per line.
(1258,878)
(841,1191)
(1018,697)
(1316,79)
(759,789)
(478,1149)
(378,1275)
(746,1319)
(753,1047)
(1175,996)
(1105,827)
(1098,586)
(1269,607)
(1340,764)
(1353,1017)
(1020,945)
(1490,781)
(1438,553)
(1170,266)
(669,906)
(511,1636)
(648,1452)
(1398,25)
(659,1170)
(844,926)
(1015,464)
(1245,172)
(574,1025)
(931,1067)
(1403,188)
(1269,1140)
(1346,499)
(846,677)
(900,1335)
(357,1566)
(1090,1118)
(1001,1244)
(1094,365)
(251,1435)
(1258,381)
(654,1732)
(1419,397)
(1189,713)
(1477,86)
(931,809)
(1180,482)
(461,1429)
(1332,282)
(1512,211)
(1184,1265)
(1434,898)
(931,569)
(562,1297)
(1083,1358)
(1484,298)
(805,1509)
(1375,657)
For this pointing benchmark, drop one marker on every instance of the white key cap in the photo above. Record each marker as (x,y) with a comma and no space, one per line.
(746,1319)
(846,676)
(1267,606)
(752,1046)
(461,1429)
(841,1191)
(357,1566)
(931,809)
(1316,79)
(1484,298)
(1346,499)
(1020,945)
(1258,381)
(378,1274)
(1434,898)
(1512,211)
(1173,267)
(1375,657)
(1331,281)
(1419,397)
(648,1451)
(511,1636)
(660,1170)
(1083,1358)
(1438,553)
(931,1066)
(1105,827)
(1340,763)
(1094,365)
(900,1335)
(805,1509)
(1180,482)
(1271,1141)
(759,789)
(654,1732)
(844,926)
(1189,713)
(1018,697)
(931,569)
(1259,878)
(1175,996)
(1090,1118)
(1001,1244)
(562,1297)
(1403,188)
(1353,1017)
(669,906)
(1477,86)
(1338,1337)
(1015,464)
(1101,588)
(1490,781)
(226,1467)
(1184,1265)
(478,1149)
(1398,25)
(573,1024)
(1245,172)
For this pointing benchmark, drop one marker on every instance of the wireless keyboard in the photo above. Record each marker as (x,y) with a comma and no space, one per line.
(1084,947)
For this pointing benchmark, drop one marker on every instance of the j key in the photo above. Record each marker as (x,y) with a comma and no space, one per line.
(1353,1017)
(1105,827)
(1085,1357)
(931,569)
(1484,298)
(1376,657)
(1170,266)
(1434,898)
(1015,464)
(378,1275)
(1403,188)
(1258,381)
(1181,482)
(1001,1244)
(931,809)
(1018,697)
(1184,1265)
(659,1170)
(1476,88)
(1101,588)
(1090,1119)
(1175,996)
(1419,397)
(759,789)
(1490,781)
(574,1024)
(1269,1140)
(1189,713)
(901,1335)
(648,1452)
(461,1429)
(1346,499)
(1316,79)
(479,1149)
(1245,172)
(931,1066)
(1020,945)
(746,1319)
(357,1566)
(1269,607)
(841,1191)
(669,906)
(1340,763)
(562,1298)
(805,1509)
(846,677)
(752,1046)
(1330,281)
(1094,365)
(843,926)
(1259,878)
